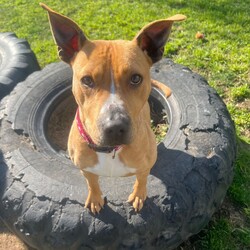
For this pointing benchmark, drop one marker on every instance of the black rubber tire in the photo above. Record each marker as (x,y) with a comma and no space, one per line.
(17,61)
(42,193)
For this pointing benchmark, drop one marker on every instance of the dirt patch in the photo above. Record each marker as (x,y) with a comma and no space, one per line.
(233,213)
(60,122)
(10,241)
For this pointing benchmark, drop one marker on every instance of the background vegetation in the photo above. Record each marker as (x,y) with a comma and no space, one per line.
(222,57)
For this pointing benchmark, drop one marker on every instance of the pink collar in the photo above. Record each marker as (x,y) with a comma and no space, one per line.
(91,144)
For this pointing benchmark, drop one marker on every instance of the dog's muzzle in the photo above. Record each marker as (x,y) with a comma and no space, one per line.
(115,127)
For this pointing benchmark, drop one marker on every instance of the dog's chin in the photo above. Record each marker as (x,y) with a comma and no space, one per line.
(107,142)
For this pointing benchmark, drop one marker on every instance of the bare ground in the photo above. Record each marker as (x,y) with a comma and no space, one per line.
(8,241)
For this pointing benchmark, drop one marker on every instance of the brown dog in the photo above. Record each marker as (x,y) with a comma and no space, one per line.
(111,135)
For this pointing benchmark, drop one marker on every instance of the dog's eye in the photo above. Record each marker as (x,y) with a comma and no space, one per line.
(136,79)
(87,81)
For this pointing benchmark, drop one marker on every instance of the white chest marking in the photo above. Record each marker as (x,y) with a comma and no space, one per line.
(107,166)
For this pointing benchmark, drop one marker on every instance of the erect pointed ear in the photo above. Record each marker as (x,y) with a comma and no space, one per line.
(67,35)
(154,36)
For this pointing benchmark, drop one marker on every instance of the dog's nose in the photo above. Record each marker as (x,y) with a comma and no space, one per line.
(116,129)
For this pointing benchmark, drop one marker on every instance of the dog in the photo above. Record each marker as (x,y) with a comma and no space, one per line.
(111,133)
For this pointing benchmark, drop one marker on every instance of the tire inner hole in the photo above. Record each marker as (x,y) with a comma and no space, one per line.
(63,114)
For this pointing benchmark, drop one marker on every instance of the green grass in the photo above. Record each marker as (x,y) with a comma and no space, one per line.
(223,58)
(221,235)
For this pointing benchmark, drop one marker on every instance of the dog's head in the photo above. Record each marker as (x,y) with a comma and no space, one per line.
(111,79)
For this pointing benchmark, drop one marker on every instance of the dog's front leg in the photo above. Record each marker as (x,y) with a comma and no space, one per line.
(94,200)
(139,193)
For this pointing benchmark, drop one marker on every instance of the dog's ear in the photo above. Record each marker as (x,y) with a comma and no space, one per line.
(154,36)
(67,34)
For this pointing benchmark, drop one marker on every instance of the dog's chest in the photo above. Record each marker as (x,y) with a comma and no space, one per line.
(109,166)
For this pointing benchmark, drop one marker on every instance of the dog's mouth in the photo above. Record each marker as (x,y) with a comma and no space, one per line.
(108,145)
(112,143)
(104,149)
(115,128)
(114,134)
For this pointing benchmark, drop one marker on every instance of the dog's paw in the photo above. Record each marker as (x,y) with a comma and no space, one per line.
(137,199)
(95,203)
